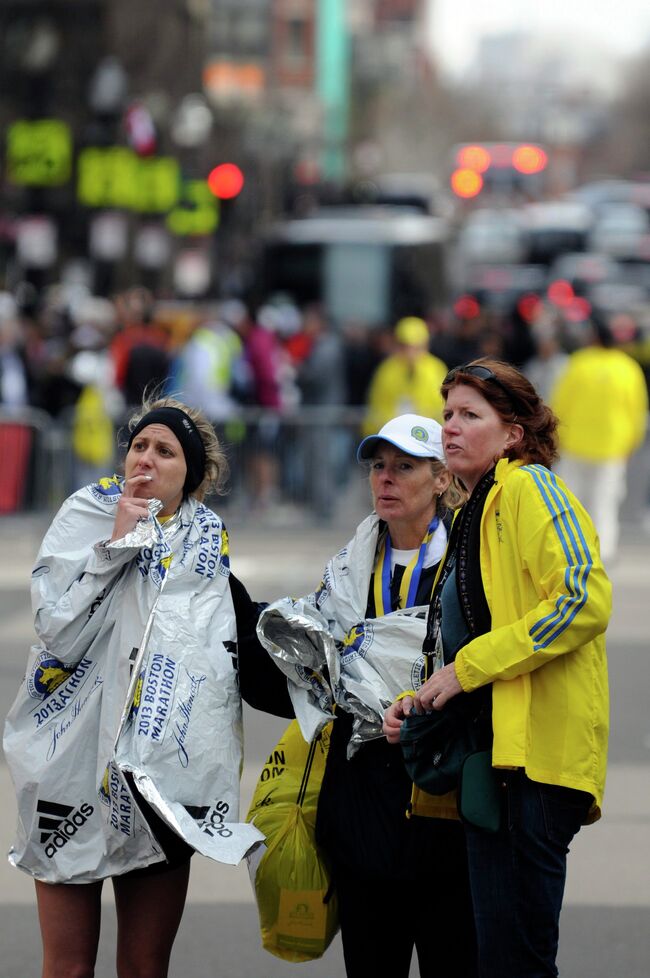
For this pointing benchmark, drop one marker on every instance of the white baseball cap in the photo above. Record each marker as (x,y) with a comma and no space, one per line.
(414,434)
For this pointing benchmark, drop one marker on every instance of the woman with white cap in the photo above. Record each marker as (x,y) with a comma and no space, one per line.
(348,648)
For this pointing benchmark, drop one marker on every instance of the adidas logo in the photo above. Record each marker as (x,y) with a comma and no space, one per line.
(59,823)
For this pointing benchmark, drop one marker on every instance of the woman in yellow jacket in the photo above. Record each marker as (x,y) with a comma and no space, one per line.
(526,569)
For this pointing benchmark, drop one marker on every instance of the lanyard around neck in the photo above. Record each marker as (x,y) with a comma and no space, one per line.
(410,581)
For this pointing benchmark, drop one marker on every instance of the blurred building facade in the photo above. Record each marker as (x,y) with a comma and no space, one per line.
(113,114)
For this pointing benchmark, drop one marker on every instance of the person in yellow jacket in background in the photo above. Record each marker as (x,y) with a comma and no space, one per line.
(519,609)
(601,399)
(408,381)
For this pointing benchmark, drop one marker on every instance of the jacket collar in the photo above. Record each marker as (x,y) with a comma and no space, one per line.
(505,468)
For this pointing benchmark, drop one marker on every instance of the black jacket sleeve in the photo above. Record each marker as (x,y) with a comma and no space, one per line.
(263,686)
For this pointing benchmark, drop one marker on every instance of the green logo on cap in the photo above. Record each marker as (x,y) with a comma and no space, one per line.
(420,434)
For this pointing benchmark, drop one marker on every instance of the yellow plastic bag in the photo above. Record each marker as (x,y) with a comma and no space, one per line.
(298,914)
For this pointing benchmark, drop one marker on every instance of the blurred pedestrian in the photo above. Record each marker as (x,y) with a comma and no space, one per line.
(550,358)
(16,396)
(269,379)
(100,404)
(140,349)
(124,742)
(364,348)
(352,646)
(16,382)
(601,400)
(320,378)
(407,381)
(205,367)
(519,611)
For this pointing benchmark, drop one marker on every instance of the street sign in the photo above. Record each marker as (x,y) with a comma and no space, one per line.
(39,152)
(197,212)
(117,177)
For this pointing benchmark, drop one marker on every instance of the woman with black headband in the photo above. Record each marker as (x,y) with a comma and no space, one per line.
(124,742)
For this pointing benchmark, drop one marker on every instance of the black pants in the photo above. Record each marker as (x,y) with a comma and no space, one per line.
(382,920)
(517,876)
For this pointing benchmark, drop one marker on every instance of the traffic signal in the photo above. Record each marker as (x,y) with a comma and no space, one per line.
(226,181)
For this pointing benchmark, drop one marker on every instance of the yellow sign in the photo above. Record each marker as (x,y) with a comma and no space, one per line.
(105,177)
(39,152)
(198,210)
(158,182)
(117,177)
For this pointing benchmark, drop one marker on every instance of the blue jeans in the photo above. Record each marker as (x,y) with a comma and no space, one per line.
(517,876)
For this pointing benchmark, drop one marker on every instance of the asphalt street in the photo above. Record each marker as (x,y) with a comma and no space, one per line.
(606,919)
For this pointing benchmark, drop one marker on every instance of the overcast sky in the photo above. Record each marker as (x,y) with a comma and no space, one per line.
(622,26)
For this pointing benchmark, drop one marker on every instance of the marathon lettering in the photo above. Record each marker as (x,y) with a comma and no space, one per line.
(185,709)
(207,559)
(274,767)
(121,817)
(64,694)
(210,558)
(150,555)
(60,728)
(157,692)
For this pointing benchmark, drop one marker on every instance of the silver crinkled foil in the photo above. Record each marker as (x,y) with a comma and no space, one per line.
(144,531)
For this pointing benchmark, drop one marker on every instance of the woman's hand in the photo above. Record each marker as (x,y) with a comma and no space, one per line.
(438,690)
(394,717)
(130,508)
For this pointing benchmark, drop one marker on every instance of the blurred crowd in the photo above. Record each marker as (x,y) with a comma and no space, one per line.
(84,361)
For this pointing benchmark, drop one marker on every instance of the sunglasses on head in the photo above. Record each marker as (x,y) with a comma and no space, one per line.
(481,373)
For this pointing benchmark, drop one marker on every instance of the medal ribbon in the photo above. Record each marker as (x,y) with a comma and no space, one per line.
(410,581)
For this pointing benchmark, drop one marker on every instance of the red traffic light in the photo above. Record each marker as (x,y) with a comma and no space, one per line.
(226,181)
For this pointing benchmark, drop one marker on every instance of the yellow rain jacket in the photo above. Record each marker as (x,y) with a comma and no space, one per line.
(550,601)
(601,400)
(399,388)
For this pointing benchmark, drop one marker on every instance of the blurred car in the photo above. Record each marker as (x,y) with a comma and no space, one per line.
(599,194)
(491,236)
(500,287)
(553,228)
(621,231)
(582,270)
(620,296)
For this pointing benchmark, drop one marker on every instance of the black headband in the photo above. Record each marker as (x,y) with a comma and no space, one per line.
(188,435)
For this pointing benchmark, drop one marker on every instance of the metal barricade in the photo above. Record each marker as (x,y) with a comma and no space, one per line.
(30,478)
(289,466)
(298,465)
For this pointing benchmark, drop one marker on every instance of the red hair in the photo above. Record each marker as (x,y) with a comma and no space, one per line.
(515,400)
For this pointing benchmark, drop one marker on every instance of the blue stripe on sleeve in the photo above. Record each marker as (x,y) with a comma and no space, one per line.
(579,563)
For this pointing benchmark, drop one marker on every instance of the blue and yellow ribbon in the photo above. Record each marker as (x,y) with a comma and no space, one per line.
(410,582)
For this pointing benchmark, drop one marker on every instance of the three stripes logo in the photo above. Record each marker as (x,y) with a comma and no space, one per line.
(59,823)
(211,819)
